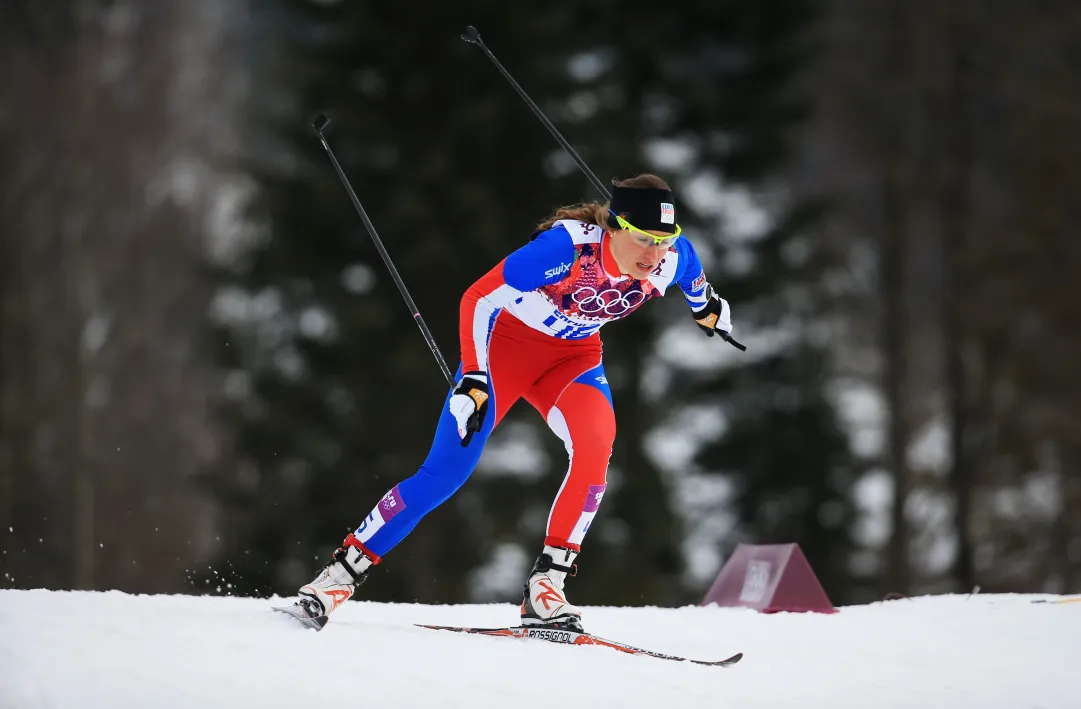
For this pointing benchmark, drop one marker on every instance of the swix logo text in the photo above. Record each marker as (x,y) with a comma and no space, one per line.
(557,271)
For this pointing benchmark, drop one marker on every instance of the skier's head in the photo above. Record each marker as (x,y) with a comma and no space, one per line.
(641,219)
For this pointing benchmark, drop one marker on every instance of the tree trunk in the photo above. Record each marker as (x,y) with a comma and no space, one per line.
(1068,532)
(892,272)
(954,211)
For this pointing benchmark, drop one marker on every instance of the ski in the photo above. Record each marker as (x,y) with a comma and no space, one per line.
(552,635)
(303,618)
(571,637)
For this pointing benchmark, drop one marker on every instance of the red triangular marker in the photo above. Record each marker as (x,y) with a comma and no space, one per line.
(769,578)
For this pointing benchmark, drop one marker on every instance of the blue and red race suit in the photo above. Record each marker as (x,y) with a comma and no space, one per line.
(532,324)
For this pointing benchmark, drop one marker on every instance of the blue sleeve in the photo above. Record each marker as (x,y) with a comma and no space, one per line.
(544,260)
(690,276)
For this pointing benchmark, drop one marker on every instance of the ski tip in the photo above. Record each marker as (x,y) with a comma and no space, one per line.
(721,663)
(308,622)
(459,628)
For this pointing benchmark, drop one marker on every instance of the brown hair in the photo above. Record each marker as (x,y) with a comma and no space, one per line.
(597,212)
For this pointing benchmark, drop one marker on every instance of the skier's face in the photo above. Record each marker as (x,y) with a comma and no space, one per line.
(636,254)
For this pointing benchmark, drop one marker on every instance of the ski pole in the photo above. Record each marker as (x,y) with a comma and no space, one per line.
(319,124)
(472,36)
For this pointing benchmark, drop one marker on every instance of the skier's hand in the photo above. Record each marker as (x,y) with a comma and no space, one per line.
(715,317)
(469,404)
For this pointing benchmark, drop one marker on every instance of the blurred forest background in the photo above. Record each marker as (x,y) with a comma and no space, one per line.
(207,377)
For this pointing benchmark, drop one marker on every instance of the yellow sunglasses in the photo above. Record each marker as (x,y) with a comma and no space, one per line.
(657,240)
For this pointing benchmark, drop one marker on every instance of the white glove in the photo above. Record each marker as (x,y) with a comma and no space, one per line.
(715,315)
(469,404)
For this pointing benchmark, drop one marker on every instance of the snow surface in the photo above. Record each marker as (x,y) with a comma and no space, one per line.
(113,650)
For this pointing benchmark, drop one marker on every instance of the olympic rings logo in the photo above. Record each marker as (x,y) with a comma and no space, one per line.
(610,302)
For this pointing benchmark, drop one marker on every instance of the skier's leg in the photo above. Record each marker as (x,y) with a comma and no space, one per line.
(583,417)
(446,468)
(513,367)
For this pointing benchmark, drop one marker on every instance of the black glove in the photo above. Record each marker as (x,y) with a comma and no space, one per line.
(469,404)
(715,317)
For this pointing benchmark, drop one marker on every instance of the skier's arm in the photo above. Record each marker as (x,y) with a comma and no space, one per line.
(711,312)
(545,259)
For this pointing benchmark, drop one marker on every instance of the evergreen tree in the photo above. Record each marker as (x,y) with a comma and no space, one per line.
(455,171)
(781,449)
(342,393)
(718,84)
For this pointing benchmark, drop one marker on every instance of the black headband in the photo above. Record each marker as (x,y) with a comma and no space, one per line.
(648,209)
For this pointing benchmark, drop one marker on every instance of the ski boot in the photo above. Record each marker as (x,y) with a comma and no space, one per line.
(543,602)
(337,580)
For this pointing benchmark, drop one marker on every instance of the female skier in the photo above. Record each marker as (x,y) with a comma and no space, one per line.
(529,329)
